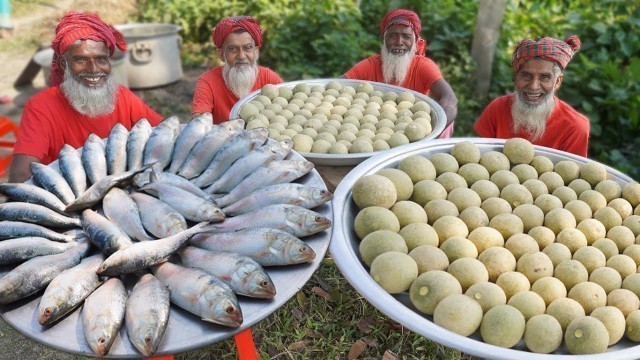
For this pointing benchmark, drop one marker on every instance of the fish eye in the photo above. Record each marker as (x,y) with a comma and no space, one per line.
(230,310)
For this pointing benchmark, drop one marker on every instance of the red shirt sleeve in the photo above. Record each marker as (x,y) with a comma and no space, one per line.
(203,95)
(36,128)
(364,70)
(488,122)
(422,74)
(138,109)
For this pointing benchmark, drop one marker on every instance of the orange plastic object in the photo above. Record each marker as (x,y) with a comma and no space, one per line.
(7,127)
(246,347)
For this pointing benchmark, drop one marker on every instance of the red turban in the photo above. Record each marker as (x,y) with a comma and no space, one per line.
(228,25)
(550,49)
(81,26)
(407,18)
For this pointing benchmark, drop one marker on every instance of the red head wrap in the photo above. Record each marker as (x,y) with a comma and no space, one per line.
(81,26)
(550,49)
(407,18)
(228,25)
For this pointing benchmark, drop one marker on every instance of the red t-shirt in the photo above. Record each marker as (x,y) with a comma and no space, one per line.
(423,72)
(49,121)
(212,94)
(566,129)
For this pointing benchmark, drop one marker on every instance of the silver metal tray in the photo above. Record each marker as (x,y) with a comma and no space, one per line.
(344,249)
(438,119)
(184,331)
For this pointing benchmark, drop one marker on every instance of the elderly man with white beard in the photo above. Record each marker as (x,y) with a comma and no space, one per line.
(402,62)
(238,40)
(83,97)
(533,111)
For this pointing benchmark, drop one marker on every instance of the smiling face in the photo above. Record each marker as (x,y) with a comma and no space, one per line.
(88,62)
(536,81)
(238,50)
(399,39)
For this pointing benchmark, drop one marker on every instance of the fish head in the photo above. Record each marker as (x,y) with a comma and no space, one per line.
(141,179)
(314,222)
(211,212)
(99,340)
(146,338)
(299,252)
(221,306)
(233,124)
(254,279)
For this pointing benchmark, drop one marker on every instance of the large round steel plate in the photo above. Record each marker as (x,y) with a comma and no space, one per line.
(438,119)
(344,249)
(185,331)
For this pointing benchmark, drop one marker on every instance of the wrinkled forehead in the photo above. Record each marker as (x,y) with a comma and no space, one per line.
(537,66)
(399,29)
(238,38)
(86,47)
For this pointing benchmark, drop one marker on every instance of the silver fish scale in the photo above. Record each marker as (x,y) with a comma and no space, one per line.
(52,181)
(190,135)
(32,194)
(70,165)
(136,142)
(147,314)
(116,150)
(37,214)
(206,149)
(94,159)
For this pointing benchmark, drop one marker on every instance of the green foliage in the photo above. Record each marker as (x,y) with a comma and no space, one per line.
(318,39)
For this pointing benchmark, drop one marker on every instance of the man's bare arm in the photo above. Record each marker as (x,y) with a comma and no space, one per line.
(442,92)
(20,169)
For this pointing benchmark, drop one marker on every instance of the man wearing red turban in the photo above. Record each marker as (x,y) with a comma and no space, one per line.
(402,62)
(238,40)
(533,111)
(83,97)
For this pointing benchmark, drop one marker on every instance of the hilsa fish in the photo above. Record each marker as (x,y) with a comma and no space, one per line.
(199,293)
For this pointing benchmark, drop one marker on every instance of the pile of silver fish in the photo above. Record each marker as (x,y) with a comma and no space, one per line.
(191,212)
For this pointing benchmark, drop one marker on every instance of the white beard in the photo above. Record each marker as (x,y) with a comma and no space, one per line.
(531,119)
(396,67)
(91,102)
(240,79)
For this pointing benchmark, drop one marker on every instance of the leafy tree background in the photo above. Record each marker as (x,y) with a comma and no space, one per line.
(322,39)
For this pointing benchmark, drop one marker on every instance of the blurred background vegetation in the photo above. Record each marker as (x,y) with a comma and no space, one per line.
(321,39)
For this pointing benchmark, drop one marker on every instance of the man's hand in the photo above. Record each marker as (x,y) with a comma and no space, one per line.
(442,92)
(20,169)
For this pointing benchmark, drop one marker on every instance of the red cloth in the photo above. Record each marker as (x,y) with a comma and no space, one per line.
(423,72)
(48,122)
(566,129)
(406,18)
(81,26)
(212,94)
(550,49)
(228,25)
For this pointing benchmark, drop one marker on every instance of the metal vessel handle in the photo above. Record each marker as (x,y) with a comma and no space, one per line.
(141,52)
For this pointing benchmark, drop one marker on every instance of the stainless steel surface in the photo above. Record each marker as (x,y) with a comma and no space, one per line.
(438,119)
(154,54)
(184,331)
(344,249)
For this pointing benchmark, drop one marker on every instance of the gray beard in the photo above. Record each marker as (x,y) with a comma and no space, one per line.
(531,119)
(91,102)
(395,67)
(240,80)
